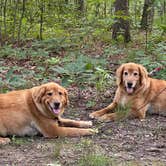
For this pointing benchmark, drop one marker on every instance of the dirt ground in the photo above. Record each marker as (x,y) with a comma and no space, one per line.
(127,142)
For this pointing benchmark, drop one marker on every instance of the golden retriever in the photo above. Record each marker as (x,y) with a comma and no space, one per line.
(137,91)
(38,110)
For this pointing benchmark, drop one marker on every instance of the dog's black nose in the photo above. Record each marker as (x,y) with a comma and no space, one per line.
(129,85)
(56,105)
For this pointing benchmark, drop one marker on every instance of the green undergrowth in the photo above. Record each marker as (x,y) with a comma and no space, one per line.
(37,62)
(18,141)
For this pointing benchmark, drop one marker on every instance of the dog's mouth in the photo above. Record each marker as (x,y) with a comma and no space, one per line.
(55,108)
(129,90)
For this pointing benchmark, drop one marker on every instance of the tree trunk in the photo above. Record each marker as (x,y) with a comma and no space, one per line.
(148,14)
(20,22)
(14,18)
(4,20)
(81,5)
(121,25)
(1,14)
(41,20)
(105,9)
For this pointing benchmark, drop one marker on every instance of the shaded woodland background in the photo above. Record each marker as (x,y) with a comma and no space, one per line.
(39,19)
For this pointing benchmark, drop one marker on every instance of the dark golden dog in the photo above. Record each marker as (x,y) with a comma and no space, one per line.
(38,110)
(136,90)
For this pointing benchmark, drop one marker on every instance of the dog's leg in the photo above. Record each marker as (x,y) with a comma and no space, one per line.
(74,123)
(103,111)
(117,116)
(51,129)
(4,141)
(133,113)
(139,113)
(108,117)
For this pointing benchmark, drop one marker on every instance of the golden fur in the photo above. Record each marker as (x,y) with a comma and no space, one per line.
(136,90)
(38,110)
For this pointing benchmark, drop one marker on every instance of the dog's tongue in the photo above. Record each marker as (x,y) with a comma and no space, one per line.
(56,111)
(129,90)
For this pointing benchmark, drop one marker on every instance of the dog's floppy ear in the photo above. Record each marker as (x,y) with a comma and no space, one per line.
(66,97)
(38,93)
(143,75)
(119,73)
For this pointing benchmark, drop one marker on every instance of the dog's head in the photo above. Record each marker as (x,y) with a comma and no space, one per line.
(50,99)
(131,77)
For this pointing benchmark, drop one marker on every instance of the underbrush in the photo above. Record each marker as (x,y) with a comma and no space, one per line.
(77,64)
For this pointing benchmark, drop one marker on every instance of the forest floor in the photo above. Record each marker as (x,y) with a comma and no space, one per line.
(125,142)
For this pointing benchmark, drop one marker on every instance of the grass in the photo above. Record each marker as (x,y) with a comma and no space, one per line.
(94,160)
(122,111)
(21,140)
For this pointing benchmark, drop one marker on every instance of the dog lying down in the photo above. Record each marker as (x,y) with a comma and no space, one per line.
(137,91)
(38,110)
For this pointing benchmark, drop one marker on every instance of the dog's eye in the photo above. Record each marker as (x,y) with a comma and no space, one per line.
(60,93)
(49,93)
(125,73)
(135,74)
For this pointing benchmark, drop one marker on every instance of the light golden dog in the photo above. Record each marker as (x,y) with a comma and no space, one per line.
(38,110)
(137,91)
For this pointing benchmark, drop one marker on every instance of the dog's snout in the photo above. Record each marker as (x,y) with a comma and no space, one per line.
(56,105)
(129,85)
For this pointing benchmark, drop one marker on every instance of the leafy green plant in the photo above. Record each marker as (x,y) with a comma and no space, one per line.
(122,111)
(79,71)
(94,160)
(102,79)
(155,57)
(20,141)
(21,53)
(53,61)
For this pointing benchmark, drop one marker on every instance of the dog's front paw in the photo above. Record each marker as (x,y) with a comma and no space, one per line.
(86,124)
(104,118)
(4,141)
(94,115)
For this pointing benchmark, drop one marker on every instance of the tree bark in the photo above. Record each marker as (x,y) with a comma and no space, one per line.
(147,15)
(4,20)
(122,24)
(41,20)
(1,14)
(81,5)
(20,22)
(14,18)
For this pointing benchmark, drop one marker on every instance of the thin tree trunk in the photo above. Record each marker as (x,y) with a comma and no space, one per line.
(163,12)
(20,22)
(147,15)
(97,9)
(121,25)
(135,13)
(41,20)
(14,18)
(81,5)
(1,13)
(4,20)
(105,9)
